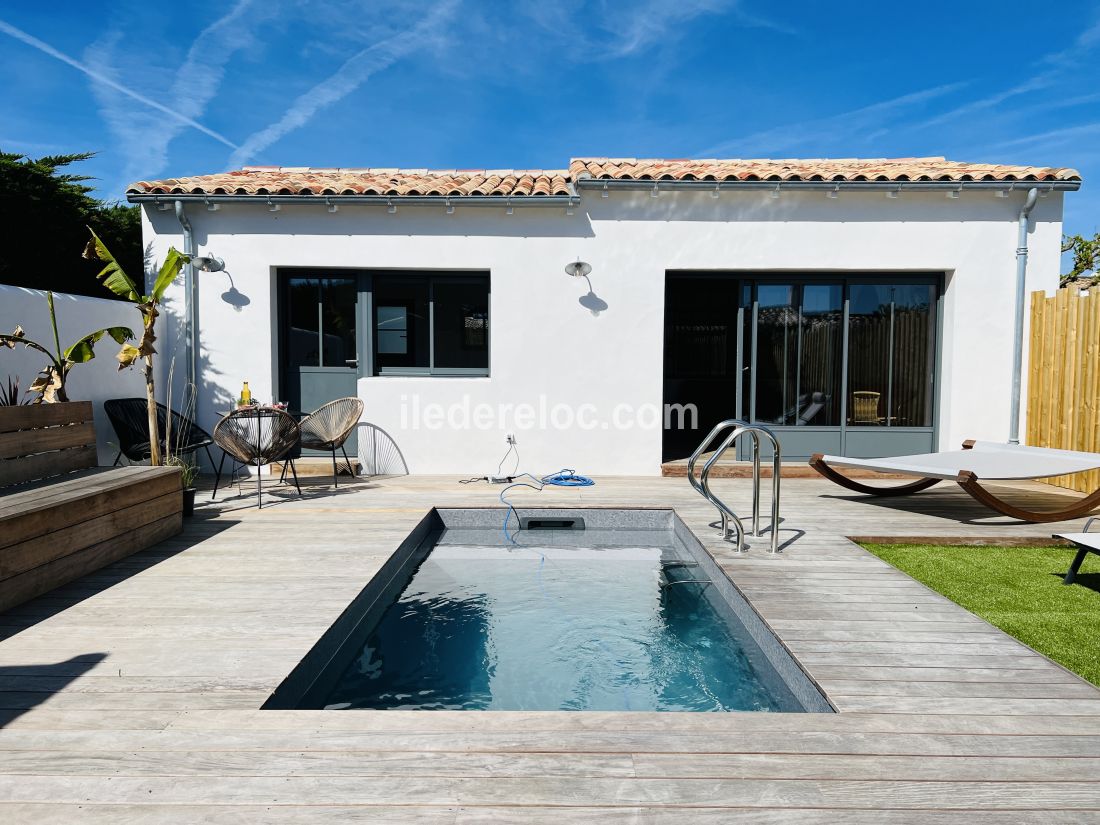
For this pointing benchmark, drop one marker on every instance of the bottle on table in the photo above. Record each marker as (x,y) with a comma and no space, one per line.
(246,396)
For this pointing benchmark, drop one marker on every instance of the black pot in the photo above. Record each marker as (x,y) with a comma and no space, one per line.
(189,501)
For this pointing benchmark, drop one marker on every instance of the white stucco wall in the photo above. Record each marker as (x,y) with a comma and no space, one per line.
(544,343)
(77,315)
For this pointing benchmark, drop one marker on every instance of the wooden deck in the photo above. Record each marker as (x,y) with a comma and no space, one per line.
(132,694)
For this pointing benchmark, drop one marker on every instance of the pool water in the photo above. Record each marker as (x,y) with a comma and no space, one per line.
(534,628)
(598,620)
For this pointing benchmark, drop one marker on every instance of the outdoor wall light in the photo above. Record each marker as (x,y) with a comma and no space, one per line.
(1002,193)
(391,208)
(775,192)
(833,193)
(654,193)
(954,193)
(892,193)
(212,207)
(332,207)
(603,192)
(273,207)
(578,269)
(207,263)
(450,208)
(508,210)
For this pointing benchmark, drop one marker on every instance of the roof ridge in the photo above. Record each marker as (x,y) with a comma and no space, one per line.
(396,182)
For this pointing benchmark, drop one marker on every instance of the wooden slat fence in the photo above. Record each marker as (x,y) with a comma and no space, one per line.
(1063,395)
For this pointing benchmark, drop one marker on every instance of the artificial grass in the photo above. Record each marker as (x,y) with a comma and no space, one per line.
(1019,590)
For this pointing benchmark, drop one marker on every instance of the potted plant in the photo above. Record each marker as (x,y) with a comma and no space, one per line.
(189,472)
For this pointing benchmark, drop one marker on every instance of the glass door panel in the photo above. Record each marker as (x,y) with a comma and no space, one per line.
(776,354)
(821,331)
(891,351)
(319,339)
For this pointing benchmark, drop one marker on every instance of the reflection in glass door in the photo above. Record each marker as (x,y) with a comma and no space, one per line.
(319,311)
(841,365)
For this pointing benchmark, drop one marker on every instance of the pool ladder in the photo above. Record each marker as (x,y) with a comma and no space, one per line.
(702,483)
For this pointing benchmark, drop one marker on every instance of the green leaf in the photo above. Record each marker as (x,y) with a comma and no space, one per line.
(82,351)
(169,270)
(112,275)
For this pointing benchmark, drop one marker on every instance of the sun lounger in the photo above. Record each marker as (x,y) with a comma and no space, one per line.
(978,461)
(1086,543)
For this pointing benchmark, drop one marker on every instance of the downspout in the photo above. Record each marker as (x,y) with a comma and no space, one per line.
(190,342)
(1018,344)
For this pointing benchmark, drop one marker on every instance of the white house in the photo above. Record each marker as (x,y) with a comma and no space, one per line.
(859,307)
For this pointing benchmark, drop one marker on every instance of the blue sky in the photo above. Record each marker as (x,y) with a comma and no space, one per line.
(168,89)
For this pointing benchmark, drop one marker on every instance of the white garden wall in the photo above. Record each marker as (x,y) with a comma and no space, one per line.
(545,343)
(77,315)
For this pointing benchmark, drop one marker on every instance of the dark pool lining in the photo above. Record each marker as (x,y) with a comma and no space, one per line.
(312,680)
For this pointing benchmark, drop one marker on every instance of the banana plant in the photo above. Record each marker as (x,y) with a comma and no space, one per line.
(50,383)
(115,279)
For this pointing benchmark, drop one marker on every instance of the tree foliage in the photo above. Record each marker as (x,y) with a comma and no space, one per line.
(44,210)
(1086,260)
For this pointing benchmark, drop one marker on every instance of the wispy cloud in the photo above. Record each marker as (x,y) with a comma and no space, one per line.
(1051,138)
(1057,64)
(144,140)
(605,30)
(111,82)
(651,22)
(350,76)
(832,128)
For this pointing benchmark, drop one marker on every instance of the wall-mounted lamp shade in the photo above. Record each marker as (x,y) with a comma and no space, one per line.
(208,263)
(578,269)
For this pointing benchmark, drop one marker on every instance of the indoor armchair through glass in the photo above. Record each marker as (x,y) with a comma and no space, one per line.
(611,610)
(840,364)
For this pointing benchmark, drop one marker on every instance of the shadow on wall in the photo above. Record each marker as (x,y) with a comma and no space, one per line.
(378,452)
(591,301)
(373,219)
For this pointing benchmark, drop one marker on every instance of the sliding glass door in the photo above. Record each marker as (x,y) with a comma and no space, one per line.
(837,364)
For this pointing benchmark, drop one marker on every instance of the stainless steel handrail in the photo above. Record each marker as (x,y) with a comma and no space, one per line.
(724,511)
(702,484)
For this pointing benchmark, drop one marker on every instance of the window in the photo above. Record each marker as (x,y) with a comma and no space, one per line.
(434,324)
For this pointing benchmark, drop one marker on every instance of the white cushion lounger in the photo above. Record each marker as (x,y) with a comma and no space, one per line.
(1086,543)
(977,460)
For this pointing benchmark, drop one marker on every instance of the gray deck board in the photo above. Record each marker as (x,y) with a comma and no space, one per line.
(132,695)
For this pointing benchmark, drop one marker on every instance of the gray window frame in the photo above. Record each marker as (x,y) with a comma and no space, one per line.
(747,316)
(370,342)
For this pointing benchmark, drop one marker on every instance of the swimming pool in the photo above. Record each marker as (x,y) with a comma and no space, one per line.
(593,609)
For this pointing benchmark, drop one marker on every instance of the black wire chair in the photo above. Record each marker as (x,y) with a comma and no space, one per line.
(130,419)
(256,437)
(329,426)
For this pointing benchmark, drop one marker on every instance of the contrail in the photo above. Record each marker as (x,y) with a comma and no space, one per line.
(352,74)
(46,48)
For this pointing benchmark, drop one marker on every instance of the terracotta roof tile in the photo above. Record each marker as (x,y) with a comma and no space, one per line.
(304,180)
(823,169)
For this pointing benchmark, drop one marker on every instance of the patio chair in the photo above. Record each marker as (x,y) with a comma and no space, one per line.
(329,426)
(257,437)
(129,418)
(976,461)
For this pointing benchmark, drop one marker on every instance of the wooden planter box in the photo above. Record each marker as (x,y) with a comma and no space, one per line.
(62,517)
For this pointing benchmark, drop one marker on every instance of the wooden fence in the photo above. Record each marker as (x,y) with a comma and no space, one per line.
(1063,391)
